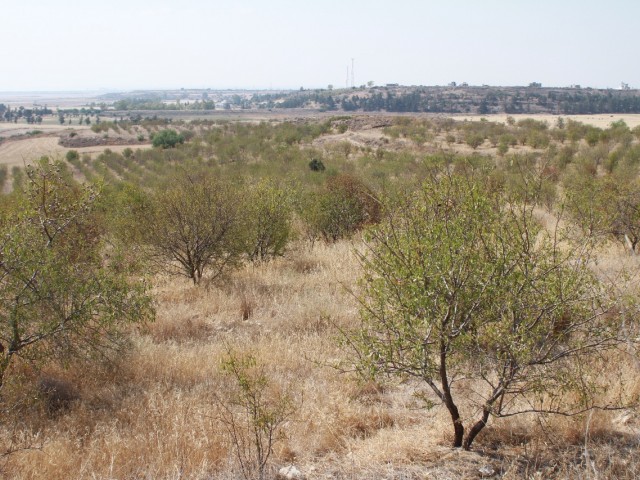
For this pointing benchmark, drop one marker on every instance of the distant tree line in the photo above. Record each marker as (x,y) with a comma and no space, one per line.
(481,100)
(30,115)
(159,104)
(303,99)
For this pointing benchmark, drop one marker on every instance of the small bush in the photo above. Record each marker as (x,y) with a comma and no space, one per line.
(267,214)
(253,412)
(72,156)
(316,165)
(167,139)
(345,206)
(474,140)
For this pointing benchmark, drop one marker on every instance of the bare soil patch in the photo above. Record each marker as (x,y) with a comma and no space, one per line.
(13,129)
(23,152)
(601,120)
(78,142)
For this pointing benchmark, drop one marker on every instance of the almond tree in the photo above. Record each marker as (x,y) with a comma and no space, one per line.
(463,285)
(194,227)
(58,295)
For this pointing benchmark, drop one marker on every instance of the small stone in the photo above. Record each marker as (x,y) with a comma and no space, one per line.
(290,473)
(486,471)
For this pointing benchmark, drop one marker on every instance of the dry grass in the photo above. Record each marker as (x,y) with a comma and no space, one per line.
(153,414)
(600,120)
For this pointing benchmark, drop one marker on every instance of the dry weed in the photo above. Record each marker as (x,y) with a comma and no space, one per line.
(153,415)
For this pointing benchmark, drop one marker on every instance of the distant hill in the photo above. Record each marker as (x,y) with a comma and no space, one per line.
(460,99)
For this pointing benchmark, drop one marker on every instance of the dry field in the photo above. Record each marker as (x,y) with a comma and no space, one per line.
(23,150)
(600,121)
(154,415)
(10,129)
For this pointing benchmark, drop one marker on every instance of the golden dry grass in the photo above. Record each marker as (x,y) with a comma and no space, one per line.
(154,415)
(600,120)
(24,152)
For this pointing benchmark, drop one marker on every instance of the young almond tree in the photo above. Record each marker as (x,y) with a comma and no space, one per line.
(58,295)
(193,227)
(462,285)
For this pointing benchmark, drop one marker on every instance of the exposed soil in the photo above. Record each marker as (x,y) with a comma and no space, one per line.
(22,152)
(83,142)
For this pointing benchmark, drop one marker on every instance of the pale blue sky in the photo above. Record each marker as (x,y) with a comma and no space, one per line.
(127,44)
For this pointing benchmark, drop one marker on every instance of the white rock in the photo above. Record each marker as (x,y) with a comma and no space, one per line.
(290,473)
(486,471)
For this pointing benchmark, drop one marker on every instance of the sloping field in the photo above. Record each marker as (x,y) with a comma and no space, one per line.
(10,129)
(600,121)
(21,152)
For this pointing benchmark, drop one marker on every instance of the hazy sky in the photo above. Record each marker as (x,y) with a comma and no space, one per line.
(127,44)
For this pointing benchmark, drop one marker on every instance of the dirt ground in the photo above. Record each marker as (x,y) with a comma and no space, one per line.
(22,152)
(600,121)
(18,148)
(10,129)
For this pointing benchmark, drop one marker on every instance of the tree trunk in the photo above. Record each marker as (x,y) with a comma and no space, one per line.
(477,427)
(458,428)
(4,364)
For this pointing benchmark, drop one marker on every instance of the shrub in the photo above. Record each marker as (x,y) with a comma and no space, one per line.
(316,165)
(193,227)
(60,298)
(267,216)
(167,139)
(345,206)
(253,412)
(72,156)
(465,284)
(474,140)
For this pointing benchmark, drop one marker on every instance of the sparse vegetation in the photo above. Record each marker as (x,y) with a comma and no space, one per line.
(527,238)
(253,413)
(59,299)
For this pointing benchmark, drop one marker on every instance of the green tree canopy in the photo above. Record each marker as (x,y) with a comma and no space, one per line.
(193,226)
(462,284)
(168,138)
(58,295)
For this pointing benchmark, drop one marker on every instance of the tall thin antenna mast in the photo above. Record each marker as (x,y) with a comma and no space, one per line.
(353,83)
